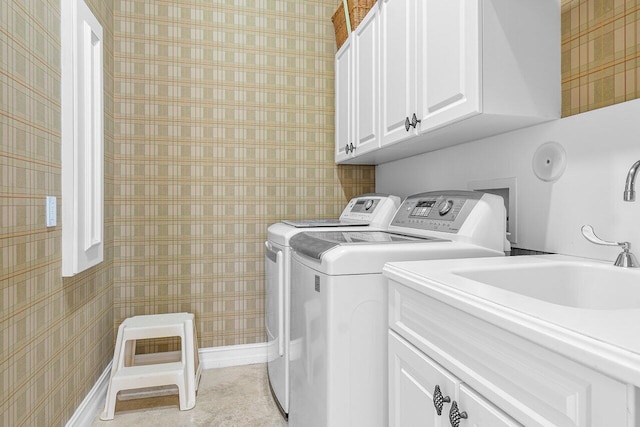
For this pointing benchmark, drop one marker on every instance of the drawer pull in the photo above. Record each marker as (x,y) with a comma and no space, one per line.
(407,124)
(439,400)
(455,415)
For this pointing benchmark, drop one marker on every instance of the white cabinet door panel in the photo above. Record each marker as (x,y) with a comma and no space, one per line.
(481,413)
(367,82)
(398,53)
(448,80)
(344,99)
(412,380)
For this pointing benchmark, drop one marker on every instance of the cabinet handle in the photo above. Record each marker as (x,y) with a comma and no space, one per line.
(415,121)
(349,148)
(439,400)
(411,123)
(455,415)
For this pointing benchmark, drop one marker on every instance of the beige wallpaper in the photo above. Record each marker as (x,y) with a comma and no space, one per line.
(600,53)
(219,121)
(224,125)
(55,335)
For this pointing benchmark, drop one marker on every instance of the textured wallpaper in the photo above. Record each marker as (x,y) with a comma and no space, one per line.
(224,125)
(600,53)
(219,122)
(56,336)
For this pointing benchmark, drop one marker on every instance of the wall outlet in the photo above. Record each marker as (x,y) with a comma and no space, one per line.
(51,211)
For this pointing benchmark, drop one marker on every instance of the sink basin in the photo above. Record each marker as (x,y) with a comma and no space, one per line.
(581,285)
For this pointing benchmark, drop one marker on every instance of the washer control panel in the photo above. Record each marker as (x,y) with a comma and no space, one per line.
(364,205)
(370,207)
(443,211)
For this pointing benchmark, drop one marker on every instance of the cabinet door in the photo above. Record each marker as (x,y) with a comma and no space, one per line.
(448,68)
(481,413)
(366,82)
(343,100)
(397,72)
(412,381)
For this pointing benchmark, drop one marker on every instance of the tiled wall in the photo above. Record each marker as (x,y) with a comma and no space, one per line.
(55,335)
(600,53)
(224,125)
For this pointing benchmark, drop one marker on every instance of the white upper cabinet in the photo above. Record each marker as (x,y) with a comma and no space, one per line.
(357,90)
(344,101)
(453,71)
(397,62)
(448,61)
(367,83)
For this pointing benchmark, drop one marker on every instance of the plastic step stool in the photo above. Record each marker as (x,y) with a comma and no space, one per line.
(185,374)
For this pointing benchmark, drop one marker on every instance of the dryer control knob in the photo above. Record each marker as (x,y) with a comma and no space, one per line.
(445,207)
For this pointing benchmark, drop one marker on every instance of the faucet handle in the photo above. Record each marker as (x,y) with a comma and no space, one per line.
(625,258)
(590,235)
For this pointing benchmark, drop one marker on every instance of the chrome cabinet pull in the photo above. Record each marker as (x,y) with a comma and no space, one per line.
(439,400)
(349,148)
(415,121)
(455,415)
(411,123)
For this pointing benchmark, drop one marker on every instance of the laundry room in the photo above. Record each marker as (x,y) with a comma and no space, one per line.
(327,212)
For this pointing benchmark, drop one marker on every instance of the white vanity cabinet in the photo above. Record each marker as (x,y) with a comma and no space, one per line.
(414,379)
(357,90)
(494,375)
(453,71)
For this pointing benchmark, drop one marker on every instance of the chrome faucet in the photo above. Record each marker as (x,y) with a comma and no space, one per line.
(625,258)
(629,187)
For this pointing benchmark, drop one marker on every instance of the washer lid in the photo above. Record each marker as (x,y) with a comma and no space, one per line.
(315,244)
(317,223)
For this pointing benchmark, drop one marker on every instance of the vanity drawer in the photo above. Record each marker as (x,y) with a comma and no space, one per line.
(533,384)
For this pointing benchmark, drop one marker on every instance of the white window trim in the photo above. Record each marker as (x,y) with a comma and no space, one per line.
(82,138)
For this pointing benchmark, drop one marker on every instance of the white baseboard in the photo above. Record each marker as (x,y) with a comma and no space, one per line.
(93,403)
(210,358)
(233,355)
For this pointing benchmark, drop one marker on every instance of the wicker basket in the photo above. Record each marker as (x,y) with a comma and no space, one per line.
(340,25)
(357,11)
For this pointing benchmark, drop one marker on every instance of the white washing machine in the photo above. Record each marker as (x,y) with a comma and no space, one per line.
(368,211)
(338,339)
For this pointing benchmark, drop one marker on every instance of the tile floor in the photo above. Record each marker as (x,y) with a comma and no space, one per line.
(237,396)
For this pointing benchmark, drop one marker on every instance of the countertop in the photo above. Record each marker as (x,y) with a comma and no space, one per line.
(607,340)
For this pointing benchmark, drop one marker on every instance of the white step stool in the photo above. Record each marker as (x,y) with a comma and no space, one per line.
(184,373)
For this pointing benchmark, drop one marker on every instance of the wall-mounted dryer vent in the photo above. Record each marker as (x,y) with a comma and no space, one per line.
(507,189)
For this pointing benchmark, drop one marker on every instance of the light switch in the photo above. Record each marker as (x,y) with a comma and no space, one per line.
(51,211)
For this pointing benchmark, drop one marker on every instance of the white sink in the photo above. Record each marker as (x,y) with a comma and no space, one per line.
(581,285)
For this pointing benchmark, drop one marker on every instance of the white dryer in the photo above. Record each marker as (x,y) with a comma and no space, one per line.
(368,211)
(338,337)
